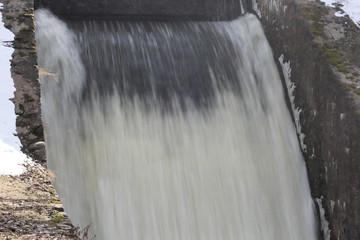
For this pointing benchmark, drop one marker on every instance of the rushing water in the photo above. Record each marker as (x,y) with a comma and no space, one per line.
(171,131)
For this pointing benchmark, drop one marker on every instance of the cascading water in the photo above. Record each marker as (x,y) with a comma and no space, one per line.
(171,131)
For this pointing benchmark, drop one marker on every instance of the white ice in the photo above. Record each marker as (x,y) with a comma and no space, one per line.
(11,158)
(350,7)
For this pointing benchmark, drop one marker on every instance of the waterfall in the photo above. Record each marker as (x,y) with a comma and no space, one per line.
(171,131)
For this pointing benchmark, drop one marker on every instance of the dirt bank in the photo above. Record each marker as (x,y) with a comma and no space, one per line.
(30,208)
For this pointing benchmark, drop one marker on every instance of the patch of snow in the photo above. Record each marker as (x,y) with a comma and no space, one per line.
(342,116)
(324,223)
(242,7)
(255,8)
(347,150)
(339,14)
(11,158)
(350,7)
(332,204)
(274,5)
(290,90)
(285,8)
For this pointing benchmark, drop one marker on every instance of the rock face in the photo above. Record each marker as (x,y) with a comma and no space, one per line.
(327,95)
(135,9)
(18,16)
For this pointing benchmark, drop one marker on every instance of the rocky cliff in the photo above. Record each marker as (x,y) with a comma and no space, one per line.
(323,52)
(18,16)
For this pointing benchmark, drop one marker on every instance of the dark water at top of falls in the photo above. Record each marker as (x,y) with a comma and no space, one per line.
(161,60)
(205,10)
(158,60)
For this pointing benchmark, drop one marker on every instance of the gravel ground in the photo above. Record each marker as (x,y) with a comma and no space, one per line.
(30,208)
